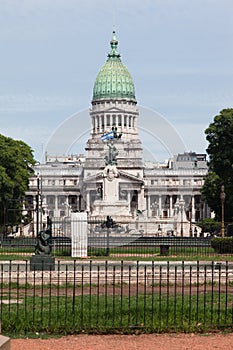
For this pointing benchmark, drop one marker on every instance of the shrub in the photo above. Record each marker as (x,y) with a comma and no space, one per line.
(210,225)
(222,245)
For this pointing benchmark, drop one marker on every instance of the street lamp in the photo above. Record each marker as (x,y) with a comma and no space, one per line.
(37,205)
(176,212)
(181,205)
(222,197)
(190,218)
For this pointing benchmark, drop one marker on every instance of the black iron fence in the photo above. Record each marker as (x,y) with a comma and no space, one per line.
(112,296)
(149,246)
(119,240)
(123,246)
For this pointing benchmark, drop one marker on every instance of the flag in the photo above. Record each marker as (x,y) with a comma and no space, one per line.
(109,135)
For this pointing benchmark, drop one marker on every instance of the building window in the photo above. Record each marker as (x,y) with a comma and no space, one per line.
(51,200)
(51,213)
(130,121)
(102,122)
(119,120)
(61,201)
(134,122)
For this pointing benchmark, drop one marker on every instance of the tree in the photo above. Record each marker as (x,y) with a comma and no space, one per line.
(219,134)
(16,160)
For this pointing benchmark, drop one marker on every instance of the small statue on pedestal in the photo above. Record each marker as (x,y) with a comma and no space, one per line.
(44,240)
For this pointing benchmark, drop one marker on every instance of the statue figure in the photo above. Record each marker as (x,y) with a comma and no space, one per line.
(44,240)
(110,172)
(110,159)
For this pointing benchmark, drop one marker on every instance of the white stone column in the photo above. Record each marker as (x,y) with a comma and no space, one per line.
(88,200)
(56,211)
(79,235)
(160,206)
(127,122)
(93,124)
(170,206)
(193,208)
(148,206)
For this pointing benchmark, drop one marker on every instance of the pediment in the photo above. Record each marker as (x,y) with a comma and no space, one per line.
(122,175)
(114,109)
(131,178)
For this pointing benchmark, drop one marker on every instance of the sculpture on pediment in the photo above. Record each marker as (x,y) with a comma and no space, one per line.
(110,172)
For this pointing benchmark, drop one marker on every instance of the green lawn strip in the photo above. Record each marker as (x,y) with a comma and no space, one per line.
(108,313)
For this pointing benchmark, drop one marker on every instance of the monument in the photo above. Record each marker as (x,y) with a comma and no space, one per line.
(43,260)
(79,235)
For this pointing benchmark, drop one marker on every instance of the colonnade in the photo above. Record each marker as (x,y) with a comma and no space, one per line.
(167,206)
(104,122)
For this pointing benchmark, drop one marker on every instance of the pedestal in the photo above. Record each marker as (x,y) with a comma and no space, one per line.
(164,249)
(42,263)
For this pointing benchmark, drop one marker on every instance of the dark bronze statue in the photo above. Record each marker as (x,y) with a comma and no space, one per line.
(44,240)
(111,158)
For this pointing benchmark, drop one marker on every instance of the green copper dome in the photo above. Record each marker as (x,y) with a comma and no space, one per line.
(114,80)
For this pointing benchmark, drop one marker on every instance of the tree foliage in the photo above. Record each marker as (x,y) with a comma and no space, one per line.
(16,159)
(219,135)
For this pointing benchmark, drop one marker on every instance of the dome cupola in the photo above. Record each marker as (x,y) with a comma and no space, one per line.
(114,80)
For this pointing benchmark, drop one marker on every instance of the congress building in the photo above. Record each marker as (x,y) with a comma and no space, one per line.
(111,178)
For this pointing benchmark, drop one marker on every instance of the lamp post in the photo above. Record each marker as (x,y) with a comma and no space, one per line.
(37,206)
(181,205)
(176,216)
(190,218)
(222,197)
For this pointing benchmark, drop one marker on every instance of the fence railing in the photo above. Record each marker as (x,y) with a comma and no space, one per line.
(112,296)
(122,246)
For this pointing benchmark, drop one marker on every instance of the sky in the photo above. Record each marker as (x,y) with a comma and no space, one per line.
(179,53)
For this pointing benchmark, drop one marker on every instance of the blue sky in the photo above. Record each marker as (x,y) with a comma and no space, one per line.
(179,52)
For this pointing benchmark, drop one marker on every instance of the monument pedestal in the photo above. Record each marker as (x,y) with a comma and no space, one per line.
(42,263)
